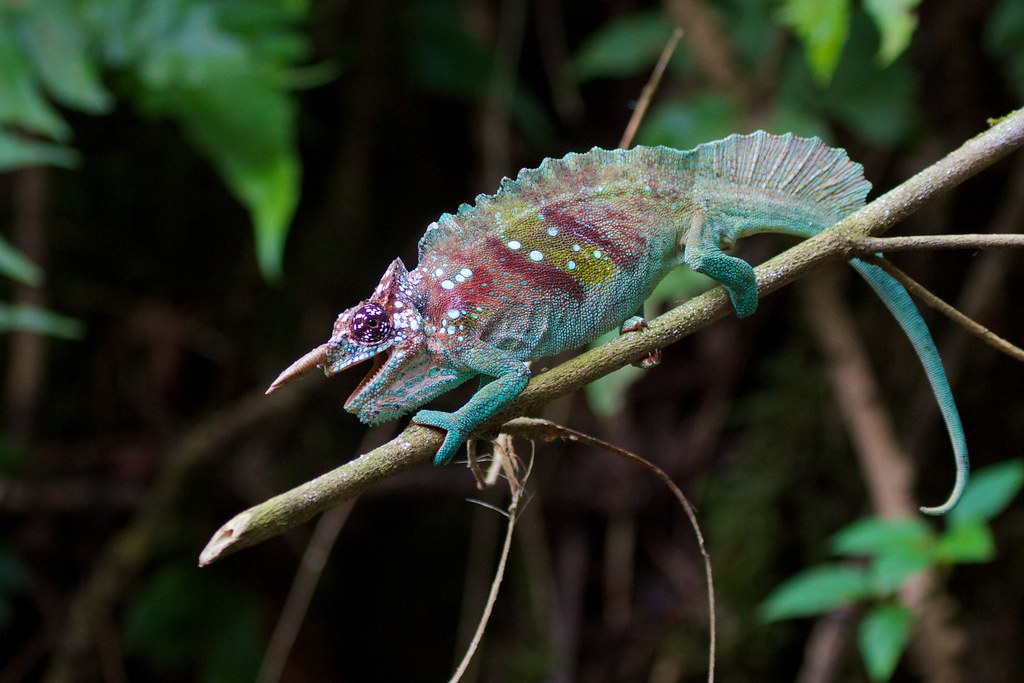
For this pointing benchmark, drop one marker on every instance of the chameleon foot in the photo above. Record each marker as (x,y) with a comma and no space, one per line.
(453,440)
(638,324)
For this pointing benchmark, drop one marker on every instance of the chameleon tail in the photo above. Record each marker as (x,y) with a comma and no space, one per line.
(898,301)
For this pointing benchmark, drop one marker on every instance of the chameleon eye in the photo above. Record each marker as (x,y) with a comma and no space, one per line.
(370,324)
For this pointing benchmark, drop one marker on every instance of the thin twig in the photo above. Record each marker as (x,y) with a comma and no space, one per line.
(867,246)
(301,593)
(538,429)
(499,573)
(975,328)
(648,92)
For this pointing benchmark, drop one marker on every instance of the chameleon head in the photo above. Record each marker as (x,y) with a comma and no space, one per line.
(388,328)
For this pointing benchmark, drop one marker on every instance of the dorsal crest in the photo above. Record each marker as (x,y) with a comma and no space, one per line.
(574,176)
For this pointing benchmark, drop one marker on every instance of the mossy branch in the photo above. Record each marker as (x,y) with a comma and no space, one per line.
(417,443)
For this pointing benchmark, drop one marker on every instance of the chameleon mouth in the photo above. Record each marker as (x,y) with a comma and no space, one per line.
(379,361)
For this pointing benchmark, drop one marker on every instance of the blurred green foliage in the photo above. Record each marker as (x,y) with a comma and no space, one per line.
(895,550)
(223,70)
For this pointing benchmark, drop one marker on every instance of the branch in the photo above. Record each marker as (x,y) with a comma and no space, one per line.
(869,246)
(417,443)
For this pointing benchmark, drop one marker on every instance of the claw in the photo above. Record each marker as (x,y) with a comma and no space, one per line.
(317,356)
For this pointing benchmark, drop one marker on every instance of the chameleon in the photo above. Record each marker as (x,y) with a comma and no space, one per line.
(570,250)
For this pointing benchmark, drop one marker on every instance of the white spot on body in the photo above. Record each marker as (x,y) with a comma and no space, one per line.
(536,255)
(597,253)
(447,284)
(438,273)
(571,265)
(453,314)
(514,244)
(465,272)
(575,247)
(552,231)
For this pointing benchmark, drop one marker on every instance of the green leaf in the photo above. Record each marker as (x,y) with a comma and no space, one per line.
(822,25)
(685,123)
(889,572)
(606,396)
(814,591)
(182,620)
(58,48)
(882,637)
(34,319)
(896,21)
(17,152)
(878,103)
(876,536)
(1004,38)
(967,541)
(990,491)
(13,263)
(252,148)
(13,580)
(22,103)
(625,46)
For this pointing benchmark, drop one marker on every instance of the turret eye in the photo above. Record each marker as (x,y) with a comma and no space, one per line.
(370,324)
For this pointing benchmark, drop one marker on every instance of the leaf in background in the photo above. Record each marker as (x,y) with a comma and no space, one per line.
(966,541)
(822,25)
(687,123)
(13,263)
(231,99)
(882,637)
(1004,38)
(22,318)
(625,46)
(606,396)
(57,44)
(22,103)
(878,103)
(245,127)
(888,572)
(814,591)
(18,152)
(13,580)
(896,21)
(184,621)
(876,536)
(989,492)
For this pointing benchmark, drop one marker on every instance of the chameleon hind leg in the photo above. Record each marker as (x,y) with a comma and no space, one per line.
(703,253)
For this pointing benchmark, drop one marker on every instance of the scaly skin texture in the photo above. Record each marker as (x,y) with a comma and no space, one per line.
(570,250)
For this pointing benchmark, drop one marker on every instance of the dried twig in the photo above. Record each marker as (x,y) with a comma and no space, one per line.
(546,430)
(972,326)
(648,92)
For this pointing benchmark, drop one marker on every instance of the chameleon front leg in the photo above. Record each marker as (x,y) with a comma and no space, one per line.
(704,254)
(510,378)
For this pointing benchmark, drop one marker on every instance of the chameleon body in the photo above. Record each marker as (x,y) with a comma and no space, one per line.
(570,250)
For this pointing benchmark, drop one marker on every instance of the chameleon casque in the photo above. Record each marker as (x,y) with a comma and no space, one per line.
(570,250)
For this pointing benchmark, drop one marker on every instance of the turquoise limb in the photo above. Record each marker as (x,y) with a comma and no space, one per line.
(704,255)
(510,378)
(898,301)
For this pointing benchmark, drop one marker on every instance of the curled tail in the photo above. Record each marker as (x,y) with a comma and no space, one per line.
(748,184)
(898,301)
